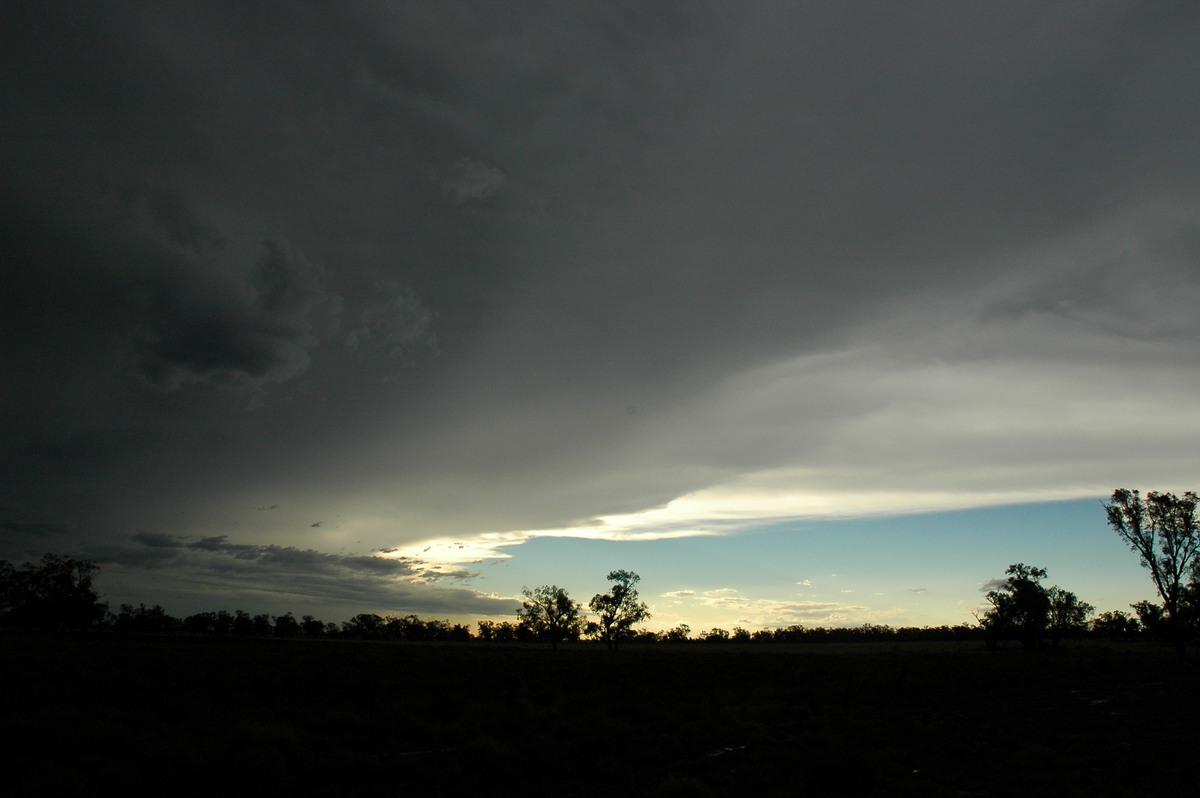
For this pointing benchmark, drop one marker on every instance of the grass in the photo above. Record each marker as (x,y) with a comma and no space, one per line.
(95,714)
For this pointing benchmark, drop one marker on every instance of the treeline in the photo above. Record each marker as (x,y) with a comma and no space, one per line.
(1161,528)
(1144,624)
(57,594)
(365,626)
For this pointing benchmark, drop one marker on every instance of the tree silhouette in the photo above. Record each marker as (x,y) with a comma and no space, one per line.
(243,623)
(366,625)
(1020,607)
(1162,530)
(209,623)
(550,614)
(55,595)
(286,625)
(678,634)
(1068,615)
(618,610)
(503,632)
(144,619)
(1115,625)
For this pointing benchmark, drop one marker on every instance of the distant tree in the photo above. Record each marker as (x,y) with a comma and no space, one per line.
(311,626)
(1115,625)
(437,629)
(408,627)
(1020,607)
(1151,619)
(459,633)
(223,621)
(619,609)
(715,635)
(243,623)
(789,634)
(550,614)
(144,619)
(1163,531)
(286,625)
(209,623)
(1068,615)
(1024,608)
(365,625)
(262,624)
(53,595)
(678,634)
(740,635)
(200,623)
(504,632)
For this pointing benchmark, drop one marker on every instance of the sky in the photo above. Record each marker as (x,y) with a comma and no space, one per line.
(818,313)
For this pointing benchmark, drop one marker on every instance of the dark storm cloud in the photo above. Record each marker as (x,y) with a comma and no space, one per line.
(284,558)
(308,560)
(230,571)
(258,332)
(157,540)
(416,262)
(35,528)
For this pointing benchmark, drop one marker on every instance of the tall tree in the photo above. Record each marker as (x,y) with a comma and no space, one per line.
(619,609)
(1162,530)
(550,614)
(1020,607)
(54,595)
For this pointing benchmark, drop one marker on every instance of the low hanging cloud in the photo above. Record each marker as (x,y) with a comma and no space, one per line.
(35,528)
(219,552)
(225,568)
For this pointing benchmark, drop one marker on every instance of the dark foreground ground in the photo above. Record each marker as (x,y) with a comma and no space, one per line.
(108,715)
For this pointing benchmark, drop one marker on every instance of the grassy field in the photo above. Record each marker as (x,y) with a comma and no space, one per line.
(217,716)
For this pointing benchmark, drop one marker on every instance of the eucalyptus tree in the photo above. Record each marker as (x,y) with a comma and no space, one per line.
(1162,530)
(55,594)
(618,610)
(550,614)
(1020,607)
(1068,615)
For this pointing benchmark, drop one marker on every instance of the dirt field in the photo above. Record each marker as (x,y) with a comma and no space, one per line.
(203,716)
